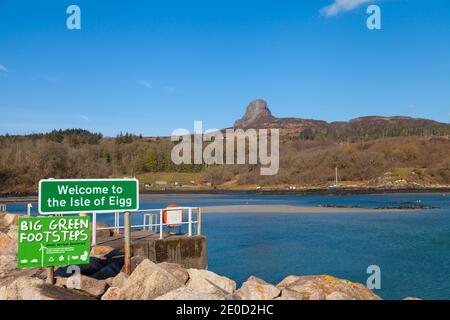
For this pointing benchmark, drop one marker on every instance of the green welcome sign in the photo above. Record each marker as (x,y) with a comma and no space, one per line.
(53,241)
(88,195)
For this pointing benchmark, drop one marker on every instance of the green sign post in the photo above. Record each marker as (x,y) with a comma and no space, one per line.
(88,195)
(53,241)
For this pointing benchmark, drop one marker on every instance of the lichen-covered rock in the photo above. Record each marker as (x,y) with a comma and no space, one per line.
(23,288)
(120,280)
(11,219)
(257,289)
(13,232)
(209,282)
(111,294)
(147,282)
(109,281)
(30,288)
(8,263)
(288,294)
(7,244)
(176,270)
(91,286)
(135,261)
(185,293)
(101,250)
(338,296)
(325,287)
(60,282)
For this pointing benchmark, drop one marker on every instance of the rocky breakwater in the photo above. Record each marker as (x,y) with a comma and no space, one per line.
(104,279)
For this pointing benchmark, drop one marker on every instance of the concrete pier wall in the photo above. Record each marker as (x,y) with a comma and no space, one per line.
(190,252)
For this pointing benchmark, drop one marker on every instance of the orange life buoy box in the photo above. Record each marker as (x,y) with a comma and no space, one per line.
(165,215)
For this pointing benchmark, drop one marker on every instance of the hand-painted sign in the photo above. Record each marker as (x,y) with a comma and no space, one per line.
(88,195)
(53,241)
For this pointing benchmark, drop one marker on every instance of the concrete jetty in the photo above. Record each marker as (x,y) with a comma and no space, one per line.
(187,251)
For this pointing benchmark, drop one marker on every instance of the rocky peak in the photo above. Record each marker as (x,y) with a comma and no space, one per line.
(256,112)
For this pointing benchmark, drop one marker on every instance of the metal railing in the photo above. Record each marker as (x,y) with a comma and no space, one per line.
(155,221)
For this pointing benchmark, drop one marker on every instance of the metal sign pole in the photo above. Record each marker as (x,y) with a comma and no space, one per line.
(127,243)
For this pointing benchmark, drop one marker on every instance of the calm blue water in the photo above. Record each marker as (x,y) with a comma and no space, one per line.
(412,248)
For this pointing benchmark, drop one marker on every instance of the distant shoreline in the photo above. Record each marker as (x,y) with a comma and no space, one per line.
(33,197)
(295,209)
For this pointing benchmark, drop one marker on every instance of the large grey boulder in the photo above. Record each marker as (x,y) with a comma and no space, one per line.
(13,232)
(176,270)
(30,288)
(7,244)
(111,294)
(338,296)
(185,293)
(8,263)
(101,250)
(120,280)
(324,288)
(147,282)
(135,261)
(93,287)
(289,294)
(209,282)
(11,219)
(257,289)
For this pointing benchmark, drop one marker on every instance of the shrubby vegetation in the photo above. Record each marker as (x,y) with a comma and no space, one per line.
(24,160)
(307,160)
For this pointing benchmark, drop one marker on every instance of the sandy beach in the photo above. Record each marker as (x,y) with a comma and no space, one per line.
(289,209)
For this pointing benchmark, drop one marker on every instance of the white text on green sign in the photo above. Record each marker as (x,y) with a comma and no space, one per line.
(89,195)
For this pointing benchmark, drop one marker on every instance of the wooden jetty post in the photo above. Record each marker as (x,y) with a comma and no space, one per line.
(50,271)
(51,275)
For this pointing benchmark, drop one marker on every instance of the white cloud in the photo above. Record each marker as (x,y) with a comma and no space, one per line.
(85,118)
(339,6)
(146,84)
(3,68)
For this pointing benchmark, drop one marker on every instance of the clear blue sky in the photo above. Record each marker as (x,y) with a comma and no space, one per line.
(153,66)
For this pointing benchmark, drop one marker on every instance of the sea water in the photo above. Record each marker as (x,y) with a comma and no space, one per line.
(412,248)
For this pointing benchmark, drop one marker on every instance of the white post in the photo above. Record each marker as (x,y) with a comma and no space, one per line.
(29,206)
(190,222)
(199,221)
(160,224)
(94,229)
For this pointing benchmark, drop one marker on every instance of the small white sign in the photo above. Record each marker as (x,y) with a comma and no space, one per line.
(174,217)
